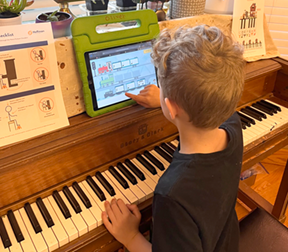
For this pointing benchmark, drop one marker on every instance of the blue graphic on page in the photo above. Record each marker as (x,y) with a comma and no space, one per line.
(119,70)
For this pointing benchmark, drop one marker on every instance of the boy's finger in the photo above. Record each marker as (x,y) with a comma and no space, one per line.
(132,96)
(115,208)
(122,206)
(106,221)
(137,98)
(109,211)
(134,209)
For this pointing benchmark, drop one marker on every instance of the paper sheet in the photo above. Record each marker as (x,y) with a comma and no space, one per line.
(31,101)
(247,26)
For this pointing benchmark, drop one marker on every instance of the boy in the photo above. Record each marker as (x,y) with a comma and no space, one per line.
(200,73)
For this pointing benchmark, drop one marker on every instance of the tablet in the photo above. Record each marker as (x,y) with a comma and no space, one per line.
(114,71)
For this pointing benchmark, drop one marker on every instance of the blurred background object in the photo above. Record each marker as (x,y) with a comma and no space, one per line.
(186,8)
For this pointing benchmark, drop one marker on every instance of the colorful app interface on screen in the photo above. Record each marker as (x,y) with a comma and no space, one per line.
(122,69)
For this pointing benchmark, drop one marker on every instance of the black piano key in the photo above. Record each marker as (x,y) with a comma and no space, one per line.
(118,177)
(250,113)
(263,109)
(135,170)
(249,119)
(272,109)
(146,164)
(127,173)
(163,154)
(154,160)
(243,125)
(95,188)
(34,222)
(14,224)
(72,200)
(46,216)
(270,104)
(4,235)
(244,121)
(81,195)
(64,209)
(167,148)
(105,183)
(257,112)
(172,146)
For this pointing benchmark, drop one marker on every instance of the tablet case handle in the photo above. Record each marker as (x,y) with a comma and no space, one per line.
(86,26)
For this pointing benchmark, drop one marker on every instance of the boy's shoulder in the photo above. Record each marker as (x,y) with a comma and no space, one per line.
(186,170)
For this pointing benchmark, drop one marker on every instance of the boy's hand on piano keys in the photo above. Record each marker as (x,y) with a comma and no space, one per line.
(149,97)
(123,222)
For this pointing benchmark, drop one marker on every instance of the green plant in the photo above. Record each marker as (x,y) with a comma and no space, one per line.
(12,6)
(52,17)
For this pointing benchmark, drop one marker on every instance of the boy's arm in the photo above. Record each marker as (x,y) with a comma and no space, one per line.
(123,224)
(149,97)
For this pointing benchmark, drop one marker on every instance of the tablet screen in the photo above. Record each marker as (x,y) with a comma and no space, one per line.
(114,71)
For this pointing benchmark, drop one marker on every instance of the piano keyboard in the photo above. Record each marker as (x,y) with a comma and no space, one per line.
(52,222)
(261,118)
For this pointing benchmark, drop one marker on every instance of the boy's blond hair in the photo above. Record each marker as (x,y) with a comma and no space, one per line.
(202,71)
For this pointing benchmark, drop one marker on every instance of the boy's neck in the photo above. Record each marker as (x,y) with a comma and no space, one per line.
(195,140)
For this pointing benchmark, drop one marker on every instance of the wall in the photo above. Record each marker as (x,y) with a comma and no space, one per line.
(277,18)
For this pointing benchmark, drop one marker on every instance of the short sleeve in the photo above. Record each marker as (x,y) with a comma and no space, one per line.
(173,229)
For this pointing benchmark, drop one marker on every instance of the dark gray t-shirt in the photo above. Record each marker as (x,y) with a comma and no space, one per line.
(194,201)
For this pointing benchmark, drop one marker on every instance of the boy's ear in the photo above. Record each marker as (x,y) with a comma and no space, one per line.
(172,108)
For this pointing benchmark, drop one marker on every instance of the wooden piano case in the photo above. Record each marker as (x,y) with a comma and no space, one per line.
(38,166)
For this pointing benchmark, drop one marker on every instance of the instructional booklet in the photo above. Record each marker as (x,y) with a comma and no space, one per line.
(31,100)
(247,26)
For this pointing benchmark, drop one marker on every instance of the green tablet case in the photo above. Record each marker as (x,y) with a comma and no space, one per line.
(87,39)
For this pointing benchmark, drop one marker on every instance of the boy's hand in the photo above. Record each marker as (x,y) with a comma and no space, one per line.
(124,220)
(149,97)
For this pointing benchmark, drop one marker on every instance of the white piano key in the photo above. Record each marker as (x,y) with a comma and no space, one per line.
(94,209)
(58,229)
(93,195)
(155,177)
(68,224)
(47,233)
(118,193)
(2,249)
(134,188)
(127,192)
(27,244)
(37,239)
(142,185)
(76,218)
(15,247)
(175,143)
(86,214)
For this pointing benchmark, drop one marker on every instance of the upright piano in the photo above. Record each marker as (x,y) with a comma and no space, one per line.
(52,185)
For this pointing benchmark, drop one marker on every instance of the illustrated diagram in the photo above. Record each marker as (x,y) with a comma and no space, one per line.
(12,123)
(41,74)
(38,54)
(252,44)
(118,65)
(249,17)
(108,81)
(102,69)
(10,74)
(46,104)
